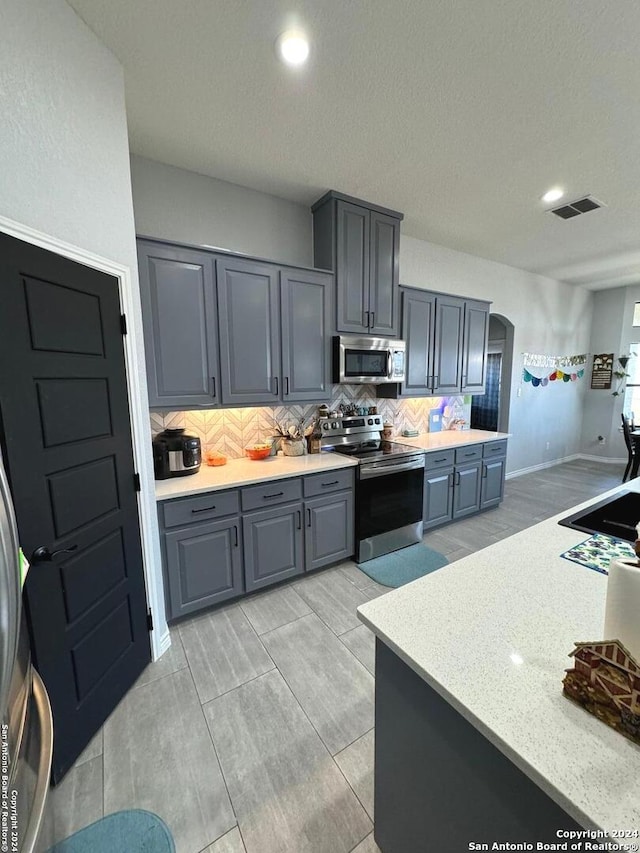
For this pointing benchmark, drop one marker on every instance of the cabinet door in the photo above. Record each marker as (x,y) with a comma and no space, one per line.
(466,490)
(418,321)
(306,335)
(249,331)
(203,565)
(383,276)
(474,347)
(448,345)
(180,325)
(492,491)
(273,545)
(352,267)
(328,533)
(438,497)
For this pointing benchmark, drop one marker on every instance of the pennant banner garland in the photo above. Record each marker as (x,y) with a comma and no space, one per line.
(556,375)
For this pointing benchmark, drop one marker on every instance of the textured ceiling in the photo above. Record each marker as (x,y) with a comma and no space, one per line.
(460,113)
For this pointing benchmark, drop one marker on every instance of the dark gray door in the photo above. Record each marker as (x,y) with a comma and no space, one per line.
(352,267)
(273,545)
(448,345)
(492,483)
(204,565)
(418,321)
(180,325)
(305,298)
(466,490)
(474,347)
(438,497)
(66,438)
(249,310)
(384,273)
(328,535)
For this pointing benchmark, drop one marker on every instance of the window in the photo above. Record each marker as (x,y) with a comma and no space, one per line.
(631,407)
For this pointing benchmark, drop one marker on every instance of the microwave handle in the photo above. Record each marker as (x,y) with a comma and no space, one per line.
(389,364)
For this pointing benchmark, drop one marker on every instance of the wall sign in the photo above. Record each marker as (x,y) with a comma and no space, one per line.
(602,371)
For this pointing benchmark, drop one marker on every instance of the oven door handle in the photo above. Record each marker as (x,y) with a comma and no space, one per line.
(382,469)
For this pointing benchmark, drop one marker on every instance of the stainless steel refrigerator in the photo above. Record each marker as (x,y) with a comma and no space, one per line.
(26,736)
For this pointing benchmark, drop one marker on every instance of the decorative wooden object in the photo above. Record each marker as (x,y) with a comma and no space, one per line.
(602,371)
(606,682)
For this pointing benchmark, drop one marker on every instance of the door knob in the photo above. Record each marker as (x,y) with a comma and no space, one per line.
(44,555)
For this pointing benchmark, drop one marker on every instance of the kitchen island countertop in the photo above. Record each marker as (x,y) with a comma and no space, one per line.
(491,633)
(244,472)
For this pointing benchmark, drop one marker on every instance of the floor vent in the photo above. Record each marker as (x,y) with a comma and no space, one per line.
(582,205)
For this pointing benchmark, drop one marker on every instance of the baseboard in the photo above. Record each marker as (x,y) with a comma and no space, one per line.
(511,474)
(164,643)
(612,460)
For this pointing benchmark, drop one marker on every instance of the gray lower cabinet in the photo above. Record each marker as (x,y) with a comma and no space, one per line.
(462,482)
(203,565)
(466,491)
(438,497)
(492,489)
(328,529)
(273,545)
(179,316)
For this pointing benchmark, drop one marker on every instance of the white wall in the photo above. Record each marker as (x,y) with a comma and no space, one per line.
(180,205)
(65,153)
(548,317)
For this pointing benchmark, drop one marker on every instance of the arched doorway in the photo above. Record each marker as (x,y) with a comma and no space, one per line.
(490,410)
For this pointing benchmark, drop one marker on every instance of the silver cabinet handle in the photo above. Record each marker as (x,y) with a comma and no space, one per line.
(235,530)
(213,386)
(276,379)
(366,320)
(308,517)
(371,319)
(457,478)
(299,514)
(286,386)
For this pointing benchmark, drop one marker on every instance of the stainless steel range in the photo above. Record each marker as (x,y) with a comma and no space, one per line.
(389,484)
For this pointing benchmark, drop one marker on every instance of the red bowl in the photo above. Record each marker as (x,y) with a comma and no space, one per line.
(261,453)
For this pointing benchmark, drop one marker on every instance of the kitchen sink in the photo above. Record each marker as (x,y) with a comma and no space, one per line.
(615,517)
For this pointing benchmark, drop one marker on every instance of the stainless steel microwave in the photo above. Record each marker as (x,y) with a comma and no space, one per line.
(368,360)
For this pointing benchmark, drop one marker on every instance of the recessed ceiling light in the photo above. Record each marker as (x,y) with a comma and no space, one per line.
(293,47)
(553,194)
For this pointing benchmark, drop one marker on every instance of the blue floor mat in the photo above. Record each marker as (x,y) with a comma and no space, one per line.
(403,566)
(134,831)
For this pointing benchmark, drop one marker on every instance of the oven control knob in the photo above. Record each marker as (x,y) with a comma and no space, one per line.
(325,426)
(370,421)
(334,425)
(378,421)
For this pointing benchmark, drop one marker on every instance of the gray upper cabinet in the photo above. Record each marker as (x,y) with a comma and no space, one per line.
(448,345)
(360,243)
(418,327)
(248,303)
(306,335)
(352,268)
(384,274)
(180,325)
(474,347)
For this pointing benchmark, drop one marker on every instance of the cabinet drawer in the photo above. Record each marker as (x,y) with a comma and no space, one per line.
(439,459)
(332,481)
(495,448)
(270,494)
(201,508)
(468,453)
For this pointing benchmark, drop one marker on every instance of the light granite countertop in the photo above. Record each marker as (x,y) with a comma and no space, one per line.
(244,472)
(451,438)
(491,633)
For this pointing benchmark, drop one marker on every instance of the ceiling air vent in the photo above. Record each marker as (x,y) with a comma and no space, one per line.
(582,205)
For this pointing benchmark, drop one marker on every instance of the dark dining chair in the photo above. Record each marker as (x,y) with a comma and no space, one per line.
(631,448)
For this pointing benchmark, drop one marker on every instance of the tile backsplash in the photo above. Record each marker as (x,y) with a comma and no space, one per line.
(231,430)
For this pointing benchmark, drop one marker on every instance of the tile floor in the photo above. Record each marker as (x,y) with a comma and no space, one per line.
(254,732)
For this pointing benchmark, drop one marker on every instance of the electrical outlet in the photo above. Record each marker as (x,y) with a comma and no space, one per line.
(547,445)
